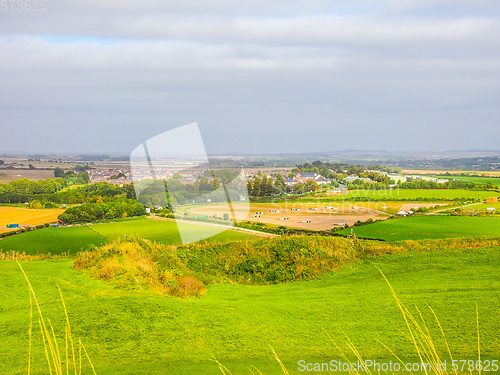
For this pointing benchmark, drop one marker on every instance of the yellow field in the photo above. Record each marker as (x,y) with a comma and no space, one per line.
(438,172)
(26,216)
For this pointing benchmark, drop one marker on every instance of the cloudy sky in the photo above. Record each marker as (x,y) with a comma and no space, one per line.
(258,76)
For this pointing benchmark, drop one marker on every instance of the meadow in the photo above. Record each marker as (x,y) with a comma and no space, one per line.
(77,238)
(431,226)
(144,332)
(415,194)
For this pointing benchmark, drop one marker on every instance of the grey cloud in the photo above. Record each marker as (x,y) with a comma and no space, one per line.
(284,76)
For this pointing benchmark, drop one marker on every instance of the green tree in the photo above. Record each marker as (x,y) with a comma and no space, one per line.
(84,176)
(58,172)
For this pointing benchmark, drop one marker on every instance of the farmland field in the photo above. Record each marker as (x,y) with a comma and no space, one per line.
(73,239)
(414,194)
(27,216)
(7,175)
(482,207)
(320,217)
(421,227)
(443,172)
(52,240)
(476,179)
(143,332)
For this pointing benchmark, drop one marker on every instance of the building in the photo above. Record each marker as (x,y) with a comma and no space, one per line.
(305,177)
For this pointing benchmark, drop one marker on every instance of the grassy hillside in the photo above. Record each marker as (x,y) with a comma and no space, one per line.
(74,239)
(144,332)
(421,227)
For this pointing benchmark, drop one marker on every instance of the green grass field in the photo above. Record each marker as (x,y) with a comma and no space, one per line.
(415,194)
(74,239)
(483,207)
(405,195)
(141,332)
(422,227)
(52,240)
(478,180)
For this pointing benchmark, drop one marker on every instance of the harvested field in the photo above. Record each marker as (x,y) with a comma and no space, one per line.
(441,172)
(413,206)
(7,175)
(26,216)
(319,217)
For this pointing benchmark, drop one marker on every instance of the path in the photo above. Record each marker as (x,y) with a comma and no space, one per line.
(451,208)
(227,227)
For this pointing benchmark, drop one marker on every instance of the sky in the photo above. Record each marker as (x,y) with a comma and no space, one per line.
(94,76)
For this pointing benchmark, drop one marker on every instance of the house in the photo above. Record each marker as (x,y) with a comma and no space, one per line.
(120,181)
(304,177)
(322,180)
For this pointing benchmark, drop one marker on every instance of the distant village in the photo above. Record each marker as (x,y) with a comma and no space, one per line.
(123,176)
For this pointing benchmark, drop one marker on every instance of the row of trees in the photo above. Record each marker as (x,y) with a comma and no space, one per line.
(331,170)
(267,186)
(459,184)
(58,190)
(173,192)
(99,211)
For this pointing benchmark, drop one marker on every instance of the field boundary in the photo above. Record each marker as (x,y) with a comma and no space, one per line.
(227,227)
